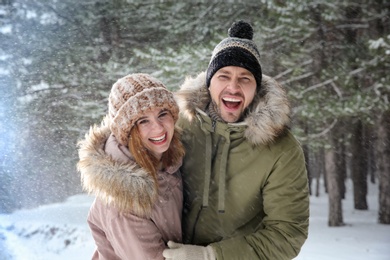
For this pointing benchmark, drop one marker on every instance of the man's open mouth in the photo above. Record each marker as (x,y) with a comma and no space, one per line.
(232,103)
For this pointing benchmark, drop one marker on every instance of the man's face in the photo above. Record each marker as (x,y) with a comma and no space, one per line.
(232,89)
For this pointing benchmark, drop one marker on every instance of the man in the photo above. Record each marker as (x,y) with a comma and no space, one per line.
(245,182)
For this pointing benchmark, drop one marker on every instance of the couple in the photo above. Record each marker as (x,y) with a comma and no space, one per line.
(244,177)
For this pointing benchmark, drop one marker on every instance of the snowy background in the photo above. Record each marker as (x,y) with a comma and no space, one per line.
(59,231)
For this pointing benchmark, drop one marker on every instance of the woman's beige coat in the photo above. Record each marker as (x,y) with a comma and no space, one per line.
(130,218)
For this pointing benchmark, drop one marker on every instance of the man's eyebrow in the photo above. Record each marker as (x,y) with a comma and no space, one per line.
(224,71)
(246,73)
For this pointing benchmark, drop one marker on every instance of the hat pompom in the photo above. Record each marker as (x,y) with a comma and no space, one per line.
(236,50)
(241,30)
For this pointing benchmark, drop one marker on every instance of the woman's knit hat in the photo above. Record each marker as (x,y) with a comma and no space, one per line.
(236,50)
(133,95)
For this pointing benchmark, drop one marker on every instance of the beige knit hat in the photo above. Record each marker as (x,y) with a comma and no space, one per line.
(133,95)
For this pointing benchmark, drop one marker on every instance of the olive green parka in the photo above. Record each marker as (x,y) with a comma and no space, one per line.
(245,184)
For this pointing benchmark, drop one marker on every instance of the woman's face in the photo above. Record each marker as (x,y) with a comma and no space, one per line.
(156,130)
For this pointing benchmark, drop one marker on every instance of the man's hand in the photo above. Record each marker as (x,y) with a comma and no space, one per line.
(178,251)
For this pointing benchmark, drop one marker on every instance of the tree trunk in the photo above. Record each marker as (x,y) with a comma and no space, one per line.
(371,144)
(340,162)
(110,30)
(325,172)
(384,169)
(359,167)
(359,156)
(320,158)
(335,208)
(306,152)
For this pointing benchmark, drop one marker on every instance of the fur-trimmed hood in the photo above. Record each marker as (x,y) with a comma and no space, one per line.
(123,185)
(267,118)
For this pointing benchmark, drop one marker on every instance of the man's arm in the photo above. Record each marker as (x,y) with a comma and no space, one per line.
(286,205)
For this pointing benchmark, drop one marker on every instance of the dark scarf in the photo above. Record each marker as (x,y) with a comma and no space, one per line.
(212,112)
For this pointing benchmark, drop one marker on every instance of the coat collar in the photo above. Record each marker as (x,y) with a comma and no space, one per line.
(119,182)
(268,117)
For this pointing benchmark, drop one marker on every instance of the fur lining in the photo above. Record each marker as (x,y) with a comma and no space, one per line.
(267,119)
(193,94)
(125,186)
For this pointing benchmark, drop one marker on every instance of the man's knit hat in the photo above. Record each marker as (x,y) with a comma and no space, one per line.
(133,95)
(236,50)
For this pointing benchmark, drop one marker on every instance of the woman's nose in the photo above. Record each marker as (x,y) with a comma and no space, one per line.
(156,124)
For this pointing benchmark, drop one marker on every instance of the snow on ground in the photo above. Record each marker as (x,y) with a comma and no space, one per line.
(362,238)
(59,231)
(55,231)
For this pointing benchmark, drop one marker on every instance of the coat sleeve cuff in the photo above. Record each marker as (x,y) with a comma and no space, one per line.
(235,248)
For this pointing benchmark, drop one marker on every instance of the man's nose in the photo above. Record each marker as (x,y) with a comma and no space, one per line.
(234,85)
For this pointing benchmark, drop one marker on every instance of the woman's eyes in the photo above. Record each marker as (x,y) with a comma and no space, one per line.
(162,114)
(142,121)
(145,121)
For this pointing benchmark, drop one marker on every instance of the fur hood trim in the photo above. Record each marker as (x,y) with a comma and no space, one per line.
(267,118)
(125,186)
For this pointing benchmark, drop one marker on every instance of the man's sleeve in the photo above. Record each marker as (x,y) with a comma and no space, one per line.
(286,204)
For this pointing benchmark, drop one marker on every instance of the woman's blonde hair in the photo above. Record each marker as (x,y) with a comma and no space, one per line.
(145,158)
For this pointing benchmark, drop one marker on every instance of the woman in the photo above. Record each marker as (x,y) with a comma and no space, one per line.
(131,164)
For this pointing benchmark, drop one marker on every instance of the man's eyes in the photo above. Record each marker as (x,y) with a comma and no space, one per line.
(224,77)
(243,79)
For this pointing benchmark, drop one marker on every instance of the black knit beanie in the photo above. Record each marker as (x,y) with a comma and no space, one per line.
(236,50)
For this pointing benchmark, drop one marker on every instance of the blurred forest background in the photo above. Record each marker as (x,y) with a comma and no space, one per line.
(59,59)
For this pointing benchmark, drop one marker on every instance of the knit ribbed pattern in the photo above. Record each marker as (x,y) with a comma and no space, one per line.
(230,42)
(236,50)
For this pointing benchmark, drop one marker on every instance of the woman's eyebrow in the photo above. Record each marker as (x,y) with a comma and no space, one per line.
(142,117)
